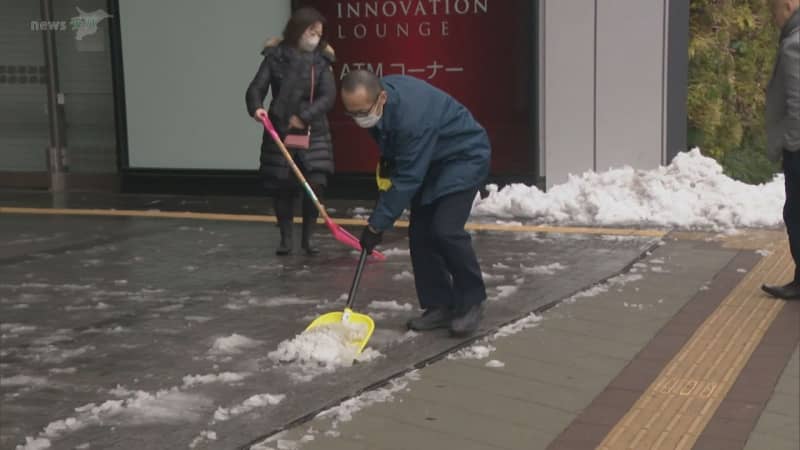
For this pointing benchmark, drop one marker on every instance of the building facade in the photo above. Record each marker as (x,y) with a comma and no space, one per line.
(147,96)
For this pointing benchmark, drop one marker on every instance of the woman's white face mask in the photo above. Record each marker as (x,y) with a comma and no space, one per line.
(308,42)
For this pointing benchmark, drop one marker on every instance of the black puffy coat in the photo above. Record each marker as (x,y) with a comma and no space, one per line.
(287,71)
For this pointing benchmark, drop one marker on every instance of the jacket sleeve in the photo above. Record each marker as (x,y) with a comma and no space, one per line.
(324,97)
(414,154)
(257,90)
(790,54)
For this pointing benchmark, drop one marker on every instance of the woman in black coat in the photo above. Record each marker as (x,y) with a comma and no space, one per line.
(288,67)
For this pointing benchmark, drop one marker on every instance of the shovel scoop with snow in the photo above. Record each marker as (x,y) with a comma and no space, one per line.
(357,327)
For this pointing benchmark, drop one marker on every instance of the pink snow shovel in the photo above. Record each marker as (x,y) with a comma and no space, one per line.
(339,233)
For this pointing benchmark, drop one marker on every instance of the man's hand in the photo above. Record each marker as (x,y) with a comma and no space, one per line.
(370,238)
(260,114)
(297,123)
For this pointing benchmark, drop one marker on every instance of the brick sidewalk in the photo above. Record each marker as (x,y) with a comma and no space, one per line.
(566,383)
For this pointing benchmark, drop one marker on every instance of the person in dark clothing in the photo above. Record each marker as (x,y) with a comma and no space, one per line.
(437,156)
(288,68)
(783,129)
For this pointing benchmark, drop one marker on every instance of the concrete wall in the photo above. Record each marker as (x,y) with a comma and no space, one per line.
(603,85)
(23,103)
(85,80)
(187,65)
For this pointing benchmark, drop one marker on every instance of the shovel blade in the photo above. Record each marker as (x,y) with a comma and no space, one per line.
(348,318)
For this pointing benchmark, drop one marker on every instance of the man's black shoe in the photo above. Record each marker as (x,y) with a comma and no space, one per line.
(467,322)
(790,291)
(431,319)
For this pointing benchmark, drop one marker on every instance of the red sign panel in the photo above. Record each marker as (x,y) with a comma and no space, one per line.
(479,51)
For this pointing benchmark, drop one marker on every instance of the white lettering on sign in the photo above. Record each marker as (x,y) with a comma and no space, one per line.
(429,71)
(383,30)
(393,9)
(365,9)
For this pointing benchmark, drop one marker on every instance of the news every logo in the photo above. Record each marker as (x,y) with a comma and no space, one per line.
(84,24)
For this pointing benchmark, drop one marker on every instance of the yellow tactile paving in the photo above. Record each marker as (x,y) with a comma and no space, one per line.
(344,221)
(678,405)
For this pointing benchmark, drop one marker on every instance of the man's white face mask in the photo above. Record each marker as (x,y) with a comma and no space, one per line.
(370,118)
(367,121)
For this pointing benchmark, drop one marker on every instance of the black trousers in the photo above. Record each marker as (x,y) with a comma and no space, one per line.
(791,210)
(446,269)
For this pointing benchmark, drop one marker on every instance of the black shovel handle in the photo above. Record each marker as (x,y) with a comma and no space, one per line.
(362,261)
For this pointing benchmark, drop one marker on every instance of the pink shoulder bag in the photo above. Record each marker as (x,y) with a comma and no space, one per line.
(302,141)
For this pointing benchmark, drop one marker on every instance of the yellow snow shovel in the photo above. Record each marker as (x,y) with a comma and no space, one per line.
(361,323)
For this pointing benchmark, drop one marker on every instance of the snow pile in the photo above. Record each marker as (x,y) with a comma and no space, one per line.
(234,343)
(323,349)
(390,306)
(495,364)
(692,192)
(256,401)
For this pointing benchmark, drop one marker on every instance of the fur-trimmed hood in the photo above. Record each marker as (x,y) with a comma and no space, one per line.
(275,42)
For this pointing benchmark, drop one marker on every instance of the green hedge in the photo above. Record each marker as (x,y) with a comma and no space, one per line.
(731,52)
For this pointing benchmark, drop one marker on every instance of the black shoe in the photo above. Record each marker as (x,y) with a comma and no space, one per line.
(431,319)
(306,243)
(790,291)
(467,323)
(285,246)
(310,249)
(310,215)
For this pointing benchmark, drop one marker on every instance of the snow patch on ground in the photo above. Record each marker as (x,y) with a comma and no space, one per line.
(345,411)
(232,344)
(396,252)
(549,269)
(495,364)
(477,351)
(140,408)
(204,436)
(224,377)
(256,401)
(280,301)
(515,327)
(16,328)
(22,381)
(504,291)
(392,305)
(404,275)
(490,277)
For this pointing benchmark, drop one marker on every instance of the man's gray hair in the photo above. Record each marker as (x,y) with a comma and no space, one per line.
(362,78)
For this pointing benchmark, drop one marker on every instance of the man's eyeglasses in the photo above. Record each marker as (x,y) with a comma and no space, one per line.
(364,113)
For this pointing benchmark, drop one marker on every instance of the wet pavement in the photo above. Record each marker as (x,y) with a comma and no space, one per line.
(113,316)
